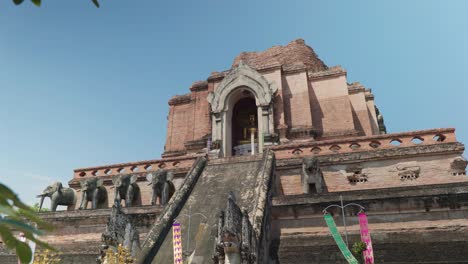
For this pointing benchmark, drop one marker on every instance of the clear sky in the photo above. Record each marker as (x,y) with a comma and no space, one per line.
(81,86)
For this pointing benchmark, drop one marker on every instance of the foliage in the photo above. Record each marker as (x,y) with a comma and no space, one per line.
(38,2)
(122,256)
(35,208)
(46,257)
(358,248)
(15,215)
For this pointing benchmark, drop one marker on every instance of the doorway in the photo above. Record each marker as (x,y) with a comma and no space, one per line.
(244,126)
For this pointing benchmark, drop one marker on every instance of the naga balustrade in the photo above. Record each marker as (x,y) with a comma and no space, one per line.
(135,167)
(325,147)
(366,143)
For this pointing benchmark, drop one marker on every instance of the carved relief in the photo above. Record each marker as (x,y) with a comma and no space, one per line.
(235,239)
(242,76)
(458,166)
(311,176)
(355,175)
(120,230)
(408,171)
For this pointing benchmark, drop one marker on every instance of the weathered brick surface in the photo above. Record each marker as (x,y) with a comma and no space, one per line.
(296,100)
(77,234)
(181,126)
(293,54)
(311,98)
(407,225)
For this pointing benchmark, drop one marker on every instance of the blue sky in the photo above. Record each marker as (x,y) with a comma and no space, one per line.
(81,86)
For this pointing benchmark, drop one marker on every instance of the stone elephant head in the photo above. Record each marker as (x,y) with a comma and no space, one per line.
(58,196)
(126,188)
(93,191)
(163,188)
(311,175)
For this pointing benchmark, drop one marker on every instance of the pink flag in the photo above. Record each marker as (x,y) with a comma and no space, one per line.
(177,243)
(365,237)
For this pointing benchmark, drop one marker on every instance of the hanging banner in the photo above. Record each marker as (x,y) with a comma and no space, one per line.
(339,240)
(365,237)
(177,243)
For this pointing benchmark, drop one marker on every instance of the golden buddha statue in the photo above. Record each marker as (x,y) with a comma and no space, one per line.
(250,128)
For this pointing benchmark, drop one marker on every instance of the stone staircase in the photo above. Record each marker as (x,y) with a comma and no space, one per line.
(197,204)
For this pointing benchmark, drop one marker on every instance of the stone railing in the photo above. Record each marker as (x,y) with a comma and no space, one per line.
(135,167)
(367,143)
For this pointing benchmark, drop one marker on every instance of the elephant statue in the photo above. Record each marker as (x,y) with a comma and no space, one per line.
(126,189)
(94,192)
(58,196)
(311,175)
(163,188)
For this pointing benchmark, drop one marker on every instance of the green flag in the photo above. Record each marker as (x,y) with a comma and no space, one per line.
(339,240)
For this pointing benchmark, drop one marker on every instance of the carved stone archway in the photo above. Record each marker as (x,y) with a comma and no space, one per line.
(225,96)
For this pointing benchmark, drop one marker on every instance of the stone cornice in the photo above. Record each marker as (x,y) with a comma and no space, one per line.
(356,87)
(78,214)
(364,138)
(334,71)
(136,163)
(368,94)
(291,69)
(217,76)
(381,154)
(383,193)
(199,86)
(180,99)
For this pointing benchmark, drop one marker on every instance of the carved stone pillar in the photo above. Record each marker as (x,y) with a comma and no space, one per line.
(266,119)
(217,125)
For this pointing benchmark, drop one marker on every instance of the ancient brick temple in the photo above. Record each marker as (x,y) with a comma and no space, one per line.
(255,153)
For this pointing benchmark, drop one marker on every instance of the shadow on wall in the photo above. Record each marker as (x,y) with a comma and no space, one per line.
(316,110)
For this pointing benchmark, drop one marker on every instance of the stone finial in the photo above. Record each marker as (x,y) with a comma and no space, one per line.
(235,239)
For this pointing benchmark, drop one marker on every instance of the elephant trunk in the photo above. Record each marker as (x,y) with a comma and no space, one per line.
(117,197)
(42,201)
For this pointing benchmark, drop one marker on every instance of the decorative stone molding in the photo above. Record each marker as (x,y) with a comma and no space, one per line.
(408,171)
(354,174)
(240,80)
(242,76)
(303,132)
(235,240)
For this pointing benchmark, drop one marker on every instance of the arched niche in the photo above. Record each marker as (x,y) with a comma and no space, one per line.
(227,94)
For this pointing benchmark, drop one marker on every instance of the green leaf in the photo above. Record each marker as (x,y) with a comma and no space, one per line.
(36,2)
(22,249)
(20,226)
(15,215)
(24,252)
(17,2)
(8,210)
(8,194)
(39,242)
(96,3)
